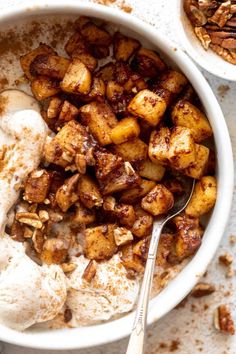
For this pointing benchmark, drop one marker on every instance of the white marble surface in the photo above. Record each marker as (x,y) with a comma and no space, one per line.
(191,326)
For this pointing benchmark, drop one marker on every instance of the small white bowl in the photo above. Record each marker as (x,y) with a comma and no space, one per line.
(178,288)
(207,59)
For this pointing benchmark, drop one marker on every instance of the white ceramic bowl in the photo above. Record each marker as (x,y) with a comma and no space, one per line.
(208,60)
(184,282)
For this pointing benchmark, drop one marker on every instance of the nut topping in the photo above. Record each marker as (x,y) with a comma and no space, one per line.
(202,289)
(203,36)
(226,54)
(90,271)
(31,219)
(222,14)
(43,215)
(38,240)
(223,320)
(226,259)
(68,267)
(196,16)
(219,30)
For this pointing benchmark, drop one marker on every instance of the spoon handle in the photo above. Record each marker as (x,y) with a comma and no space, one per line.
(136,341)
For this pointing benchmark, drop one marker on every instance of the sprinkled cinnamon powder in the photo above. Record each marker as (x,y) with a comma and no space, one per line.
(174,345)
(3,103)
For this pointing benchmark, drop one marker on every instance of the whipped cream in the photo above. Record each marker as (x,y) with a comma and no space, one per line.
(110,292)
(22,136)
(29,293)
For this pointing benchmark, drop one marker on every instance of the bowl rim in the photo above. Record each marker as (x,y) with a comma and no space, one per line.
(193,52)
(84,337)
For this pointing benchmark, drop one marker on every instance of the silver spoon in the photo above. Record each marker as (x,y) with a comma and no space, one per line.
(136,341)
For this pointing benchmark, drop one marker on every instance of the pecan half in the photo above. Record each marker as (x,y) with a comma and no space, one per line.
(222,14)
(202,289)
(226,259)
(195,15)
(223,320)
(226,54)
(203,36)
(206,5)
(225,39)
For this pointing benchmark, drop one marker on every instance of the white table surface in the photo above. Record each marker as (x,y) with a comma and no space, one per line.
(192,325)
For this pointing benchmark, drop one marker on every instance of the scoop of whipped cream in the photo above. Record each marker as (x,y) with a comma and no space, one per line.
(110,292)
(22,136)
(29,293)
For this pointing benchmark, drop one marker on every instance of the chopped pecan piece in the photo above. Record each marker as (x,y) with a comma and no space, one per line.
(43,215)
(223,320)
(202,289)
(31,219)
(68,267)
(90,271)
(38,240)
(226,259)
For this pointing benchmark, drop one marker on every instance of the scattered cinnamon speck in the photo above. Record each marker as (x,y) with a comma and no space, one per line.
(163,346)
(174,345)
(222,90)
